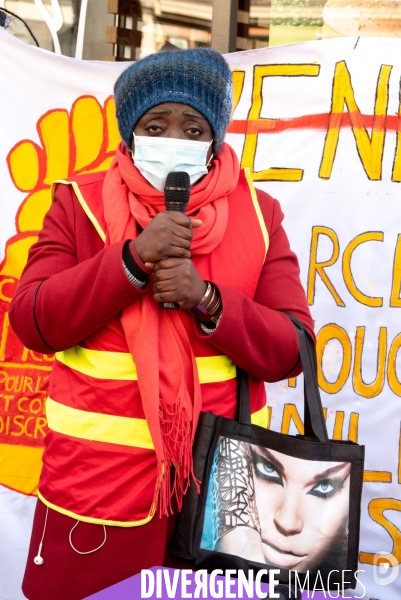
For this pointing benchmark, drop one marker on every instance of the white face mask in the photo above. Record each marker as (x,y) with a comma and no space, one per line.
(156,157)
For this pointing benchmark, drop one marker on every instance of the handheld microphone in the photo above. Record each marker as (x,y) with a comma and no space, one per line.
(176,195)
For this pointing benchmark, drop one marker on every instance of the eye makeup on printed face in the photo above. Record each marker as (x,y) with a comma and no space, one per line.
(265,469)
(324,485)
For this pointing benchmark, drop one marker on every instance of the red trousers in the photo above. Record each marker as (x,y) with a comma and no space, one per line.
(67,575)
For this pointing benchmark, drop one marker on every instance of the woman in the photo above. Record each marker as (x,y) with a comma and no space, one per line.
(287,512)
(131,377)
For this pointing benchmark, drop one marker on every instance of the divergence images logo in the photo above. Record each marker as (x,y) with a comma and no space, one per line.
(382,573)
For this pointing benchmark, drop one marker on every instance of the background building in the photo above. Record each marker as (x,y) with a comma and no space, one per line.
(130,29)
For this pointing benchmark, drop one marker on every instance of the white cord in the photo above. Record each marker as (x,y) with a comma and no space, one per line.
(44,528)
(38,560)
(89,551)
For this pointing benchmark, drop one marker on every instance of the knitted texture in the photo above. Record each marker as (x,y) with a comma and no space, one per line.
(199,77)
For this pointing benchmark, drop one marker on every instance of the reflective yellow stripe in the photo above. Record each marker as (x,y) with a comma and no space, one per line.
(259,214)
(261,417)
(83,203)
(99,364)
(119,365)
(69,513)
(98,427)
(212,369)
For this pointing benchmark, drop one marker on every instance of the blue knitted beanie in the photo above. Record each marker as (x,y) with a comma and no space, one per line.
(199,77)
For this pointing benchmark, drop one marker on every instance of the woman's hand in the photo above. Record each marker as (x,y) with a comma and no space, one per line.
(169,234)
(177,280)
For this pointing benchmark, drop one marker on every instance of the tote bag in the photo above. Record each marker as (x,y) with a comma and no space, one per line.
(274,501)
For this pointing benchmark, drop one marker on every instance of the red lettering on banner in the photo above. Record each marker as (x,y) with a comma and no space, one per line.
(24,377)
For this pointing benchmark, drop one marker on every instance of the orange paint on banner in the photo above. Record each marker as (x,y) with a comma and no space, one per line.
(319,122)
(82,140)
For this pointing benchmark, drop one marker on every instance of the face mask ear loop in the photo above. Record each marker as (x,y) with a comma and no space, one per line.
(209,163)
(130,150)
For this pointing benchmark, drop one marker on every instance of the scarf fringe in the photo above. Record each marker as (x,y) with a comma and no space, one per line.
(167,495)
(177,435)
(174,474)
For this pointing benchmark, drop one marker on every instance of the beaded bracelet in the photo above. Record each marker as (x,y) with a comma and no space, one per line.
(209,330)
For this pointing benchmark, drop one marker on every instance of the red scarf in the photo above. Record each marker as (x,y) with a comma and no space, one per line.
(167,373)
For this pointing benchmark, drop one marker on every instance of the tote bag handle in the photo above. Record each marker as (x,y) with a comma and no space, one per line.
(314,423)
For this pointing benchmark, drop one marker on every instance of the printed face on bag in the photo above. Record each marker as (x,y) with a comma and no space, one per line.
(303,509)
(272,508)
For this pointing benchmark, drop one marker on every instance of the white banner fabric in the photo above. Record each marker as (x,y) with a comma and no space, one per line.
(319,126)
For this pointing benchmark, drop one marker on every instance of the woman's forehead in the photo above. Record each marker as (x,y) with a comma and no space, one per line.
(168,108)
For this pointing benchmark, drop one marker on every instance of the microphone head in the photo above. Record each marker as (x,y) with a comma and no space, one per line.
(176,191)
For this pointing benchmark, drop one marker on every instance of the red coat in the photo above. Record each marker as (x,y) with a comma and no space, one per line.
(83,286)
(80,286)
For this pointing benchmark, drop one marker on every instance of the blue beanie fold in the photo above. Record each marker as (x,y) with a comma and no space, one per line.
(199,77)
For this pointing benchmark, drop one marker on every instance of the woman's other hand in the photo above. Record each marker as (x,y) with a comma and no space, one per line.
(169,234)
(177,280)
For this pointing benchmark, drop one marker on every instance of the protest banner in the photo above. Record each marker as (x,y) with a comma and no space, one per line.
(318,125)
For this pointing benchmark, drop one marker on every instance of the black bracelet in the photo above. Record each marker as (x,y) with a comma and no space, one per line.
(131,265)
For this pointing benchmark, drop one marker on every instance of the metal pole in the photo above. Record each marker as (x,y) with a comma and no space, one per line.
(224,25)
(79,49)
